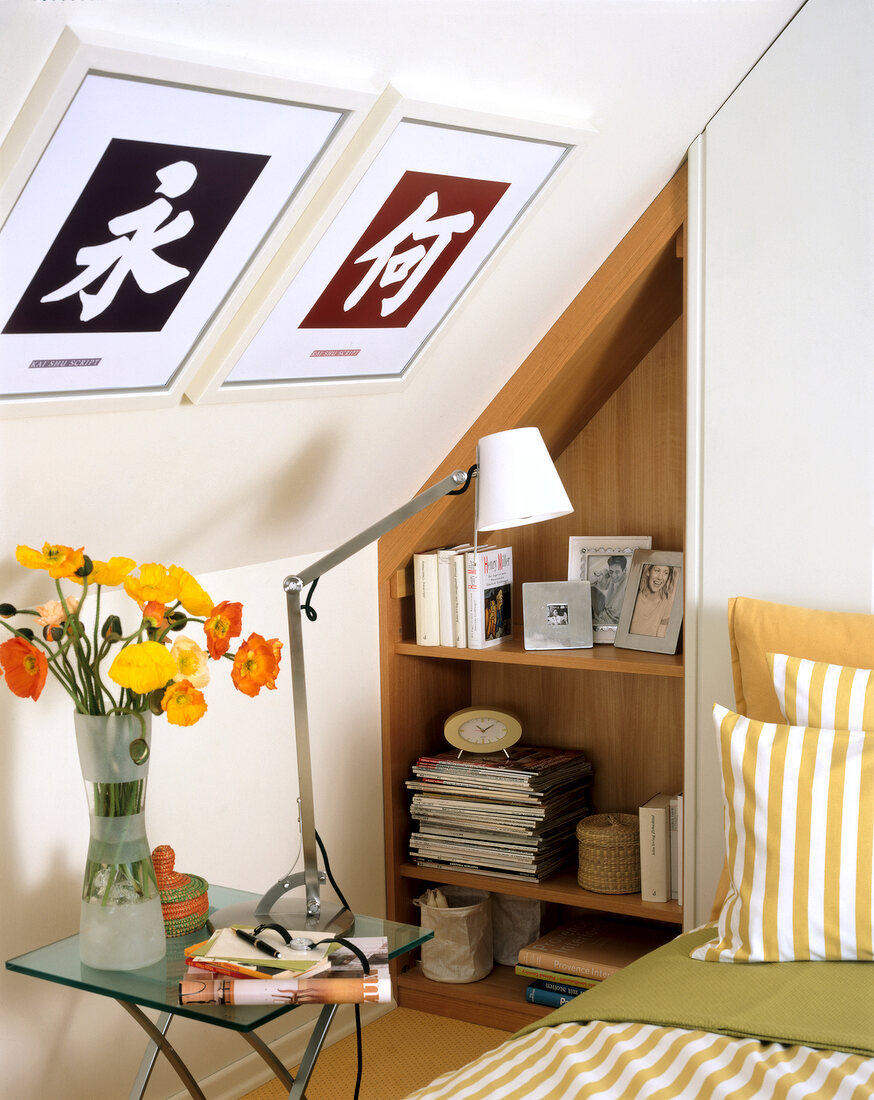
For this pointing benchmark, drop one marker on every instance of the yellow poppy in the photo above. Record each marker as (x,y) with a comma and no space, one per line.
(191,595)
(60,561)
(154,585)
(183,704)
(112,572)
(143,667)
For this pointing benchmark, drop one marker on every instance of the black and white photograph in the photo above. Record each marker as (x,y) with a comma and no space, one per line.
(604,561)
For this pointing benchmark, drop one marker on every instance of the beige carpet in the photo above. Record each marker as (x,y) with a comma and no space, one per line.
(403,1051)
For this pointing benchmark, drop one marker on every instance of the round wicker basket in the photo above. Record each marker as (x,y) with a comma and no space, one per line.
(184,898)
(609,853)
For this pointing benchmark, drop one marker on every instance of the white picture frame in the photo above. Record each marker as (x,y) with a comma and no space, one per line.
(326,321)
(605,562)
(87,320)
(652,611)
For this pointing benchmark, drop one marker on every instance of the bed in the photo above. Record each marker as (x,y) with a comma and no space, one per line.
(774,997)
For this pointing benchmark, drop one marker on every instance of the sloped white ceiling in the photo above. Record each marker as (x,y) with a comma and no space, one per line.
(215,487)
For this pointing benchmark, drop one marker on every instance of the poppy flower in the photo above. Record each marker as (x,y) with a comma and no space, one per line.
(26,668)
(191,595)
(108,573)
(191,661)
(60,561)
(54,612)
(143,667)
(183,704)
(256,665)
(225,622)
(154,585)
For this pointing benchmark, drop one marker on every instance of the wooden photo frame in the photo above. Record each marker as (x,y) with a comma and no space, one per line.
(177,171)
(557,614)
(652,611)
(348,307)
(605,562)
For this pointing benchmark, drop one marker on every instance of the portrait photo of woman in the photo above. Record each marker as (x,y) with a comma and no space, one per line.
(655,601)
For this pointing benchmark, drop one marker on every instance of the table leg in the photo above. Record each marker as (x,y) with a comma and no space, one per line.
(269,1057)
(150,1056)
(157,1035)
(298,1089)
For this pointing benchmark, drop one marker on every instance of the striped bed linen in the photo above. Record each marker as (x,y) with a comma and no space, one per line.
(632,1061)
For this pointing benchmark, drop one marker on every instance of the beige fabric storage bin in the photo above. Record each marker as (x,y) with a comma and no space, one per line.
(461,950)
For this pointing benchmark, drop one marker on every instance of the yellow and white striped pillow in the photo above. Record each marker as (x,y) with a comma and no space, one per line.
(814,693)
(799,807)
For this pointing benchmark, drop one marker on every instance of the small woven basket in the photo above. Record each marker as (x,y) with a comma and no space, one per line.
(609,853)
(184,898)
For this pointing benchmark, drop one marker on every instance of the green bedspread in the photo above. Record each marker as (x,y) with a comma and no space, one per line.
(825,1005)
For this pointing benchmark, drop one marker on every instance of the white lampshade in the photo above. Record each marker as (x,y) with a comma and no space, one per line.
(516,481)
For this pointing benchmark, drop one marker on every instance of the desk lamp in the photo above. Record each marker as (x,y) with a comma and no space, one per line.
(516,483)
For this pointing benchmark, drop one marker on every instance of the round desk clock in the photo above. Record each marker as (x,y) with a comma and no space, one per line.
(482,729)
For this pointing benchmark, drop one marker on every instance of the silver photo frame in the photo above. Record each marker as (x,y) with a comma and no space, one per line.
(653,608)
(557,614)
(605,562)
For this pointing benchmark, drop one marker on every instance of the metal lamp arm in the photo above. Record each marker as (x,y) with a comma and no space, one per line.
(293,585)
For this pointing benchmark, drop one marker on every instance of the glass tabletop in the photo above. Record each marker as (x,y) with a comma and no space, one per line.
(157,986)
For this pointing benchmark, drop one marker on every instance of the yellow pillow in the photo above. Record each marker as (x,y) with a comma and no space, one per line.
(813,693)
(799,807)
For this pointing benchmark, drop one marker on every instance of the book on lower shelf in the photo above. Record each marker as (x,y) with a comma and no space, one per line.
(489,596)
(509,815)
(594,947)
(554,979)
(541,992)
(655,849)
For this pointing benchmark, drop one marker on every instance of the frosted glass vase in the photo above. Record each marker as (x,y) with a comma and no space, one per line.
(121,925)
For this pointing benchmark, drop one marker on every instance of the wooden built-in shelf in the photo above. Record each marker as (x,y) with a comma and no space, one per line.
(559,889)
(601,658)
(606,386)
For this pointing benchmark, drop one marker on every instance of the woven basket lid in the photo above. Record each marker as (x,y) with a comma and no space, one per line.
(184,898)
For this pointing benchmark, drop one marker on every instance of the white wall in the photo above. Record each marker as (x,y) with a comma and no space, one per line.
(786,448)
(222,793)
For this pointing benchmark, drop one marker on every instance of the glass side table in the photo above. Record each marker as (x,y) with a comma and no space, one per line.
(157,987)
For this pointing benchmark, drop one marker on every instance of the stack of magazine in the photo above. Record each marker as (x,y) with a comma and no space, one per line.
(510,814)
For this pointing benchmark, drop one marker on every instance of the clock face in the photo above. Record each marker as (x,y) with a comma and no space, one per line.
(481,729)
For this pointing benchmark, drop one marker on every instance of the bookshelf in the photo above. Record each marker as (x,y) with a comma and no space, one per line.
(606,387)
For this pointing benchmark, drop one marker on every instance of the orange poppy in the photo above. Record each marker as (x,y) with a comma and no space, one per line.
(225,622)
(256,665)
(183,704)
(26,668)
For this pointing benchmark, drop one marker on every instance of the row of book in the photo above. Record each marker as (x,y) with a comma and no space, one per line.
(575,957)
(661,848)
(463,596)
(508,814)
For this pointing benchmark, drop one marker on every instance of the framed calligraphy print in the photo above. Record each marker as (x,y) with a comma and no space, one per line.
(434,197)
(145,195)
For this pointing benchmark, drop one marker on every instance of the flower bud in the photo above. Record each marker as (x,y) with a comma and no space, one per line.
(177,620)
(111,630)
(7,610)
(155,701)
(53,633)
(26,632)
(86,568)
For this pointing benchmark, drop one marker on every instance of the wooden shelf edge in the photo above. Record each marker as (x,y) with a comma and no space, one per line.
(626,661)
(559,889)
(498,1000)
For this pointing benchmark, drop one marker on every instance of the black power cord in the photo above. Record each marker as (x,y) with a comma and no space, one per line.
(345,903)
